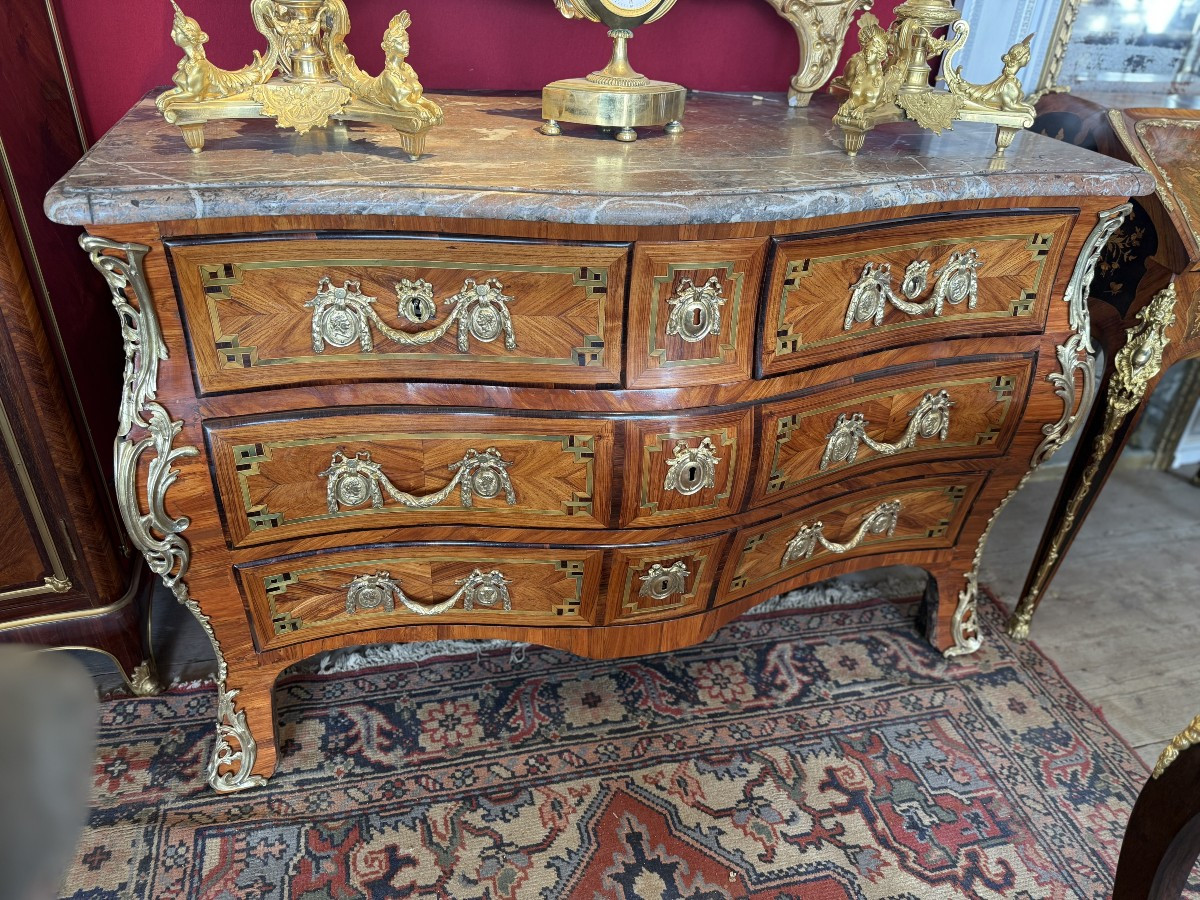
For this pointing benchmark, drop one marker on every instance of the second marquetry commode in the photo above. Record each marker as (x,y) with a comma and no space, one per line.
(596,396)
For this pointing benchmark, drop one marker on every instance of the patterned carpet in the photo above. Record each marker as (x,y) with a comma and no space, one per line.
(813,754)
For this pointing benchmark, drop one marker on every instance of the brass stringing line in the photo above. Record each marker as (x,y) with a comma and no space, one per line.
(906,323)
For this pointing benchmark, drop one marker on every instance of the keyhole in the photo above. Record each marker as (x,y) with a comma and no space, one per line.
(696,318)
(693,473)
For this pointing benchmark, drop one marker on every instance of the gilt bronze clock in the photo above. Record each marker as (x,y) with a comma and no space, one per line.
(615,98)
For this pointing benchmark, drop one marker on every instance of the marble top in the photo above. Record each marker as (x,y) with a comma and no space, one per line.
(741,159)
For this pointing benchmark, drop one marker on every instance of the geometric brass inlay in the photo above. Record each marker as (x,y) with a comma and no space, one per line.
(1023,304)
(785,426)
(572,568)
(788,341)
(248,457)
(477,588)
(591,353)
(234,355)
(661,586)
(1003,386)
(727,437)
(730,283)
(218,279)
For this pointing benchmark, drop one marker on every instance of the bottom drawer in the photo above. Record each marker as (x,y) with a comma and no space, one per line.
(921,514)
(318,595)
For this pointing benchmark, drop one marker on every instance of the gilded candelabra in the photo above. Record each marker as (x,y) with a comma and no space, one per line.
(820,27)
(888,79)
(306,77)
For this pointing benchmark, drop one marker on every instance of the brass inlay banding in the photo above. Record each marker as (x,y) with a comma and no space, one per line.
(785,426)
(728,439)
(275,587)
(798,269)
(593,279)
(729,328)
(581,447)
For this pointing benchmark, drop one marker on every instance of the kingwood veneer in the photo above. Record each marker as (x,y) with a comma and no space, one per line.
(599,397)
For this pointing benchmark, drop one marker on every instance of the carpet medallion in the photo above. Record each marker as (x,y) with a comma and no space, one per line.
(818,754)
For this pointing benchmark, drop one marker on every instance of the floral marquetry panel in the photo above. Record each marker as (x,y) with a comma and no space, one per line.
(288,310)
(327,474)
(844,294)
(919,514)
(692,312)
(298,599)
(966,410)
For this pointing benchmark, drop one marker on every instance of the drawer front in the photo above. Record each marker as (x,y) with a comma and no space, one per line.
(687,469)
(320,595)
(853,292)
(692,312)
(915,515)
(949,412)
(289,310)
(286,479)
(661,582)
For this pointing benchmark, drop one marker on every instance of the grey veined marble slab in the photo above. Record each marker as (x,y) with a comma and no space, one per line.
(739,160)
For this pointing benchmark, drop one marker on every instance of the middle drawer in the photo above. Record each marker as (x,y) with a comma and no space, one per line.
(288,479)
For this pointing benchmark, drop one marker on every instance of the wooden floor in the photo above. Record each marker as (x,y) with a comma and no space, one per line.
(1122,620)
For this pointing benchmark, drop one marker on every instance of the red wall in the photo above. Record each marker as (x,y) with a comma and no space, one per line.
(714,45)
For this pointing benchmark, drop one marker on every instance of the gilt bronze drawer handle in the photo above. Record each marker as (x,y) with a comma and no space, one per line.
(344,315)
(660,583)
(380,592)
(355,480)
(956,281)
(696,311)
(881,520)
(692,469)
(930,417)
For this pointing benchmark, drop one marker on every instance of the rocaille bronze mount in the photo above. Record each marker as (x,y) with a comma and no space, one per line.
(887,80)
(306,77)
(616,98)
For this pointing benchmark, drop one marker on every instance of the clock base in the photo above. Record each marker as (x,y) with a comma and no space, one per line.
(621,109)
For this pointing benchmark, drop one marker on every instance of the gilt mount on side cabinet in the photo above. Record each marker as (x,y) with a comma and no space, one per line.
(306,77)
(888,78)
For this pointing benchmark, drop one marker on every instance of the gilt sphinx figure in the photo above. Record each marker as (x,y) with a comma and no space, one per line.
(306,77)
(888,79)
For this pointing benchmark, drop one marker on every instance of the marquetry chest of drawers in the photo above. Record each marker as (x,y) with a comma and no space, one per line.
(589,395)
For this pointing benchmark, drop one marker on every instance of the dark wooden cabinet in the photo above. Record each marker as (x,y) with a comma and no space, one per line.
(66,575)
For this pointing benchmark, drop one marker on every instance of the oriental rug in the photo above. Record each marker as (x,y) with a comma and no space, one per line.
(817,753)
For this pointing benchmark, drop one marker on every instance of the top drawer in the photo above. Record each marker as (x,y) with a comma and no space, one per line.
(848,293)
(299,309)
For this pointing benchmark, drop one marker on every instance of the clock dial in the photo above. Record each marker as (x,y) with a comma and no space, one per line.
(628,13)
(630,7)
